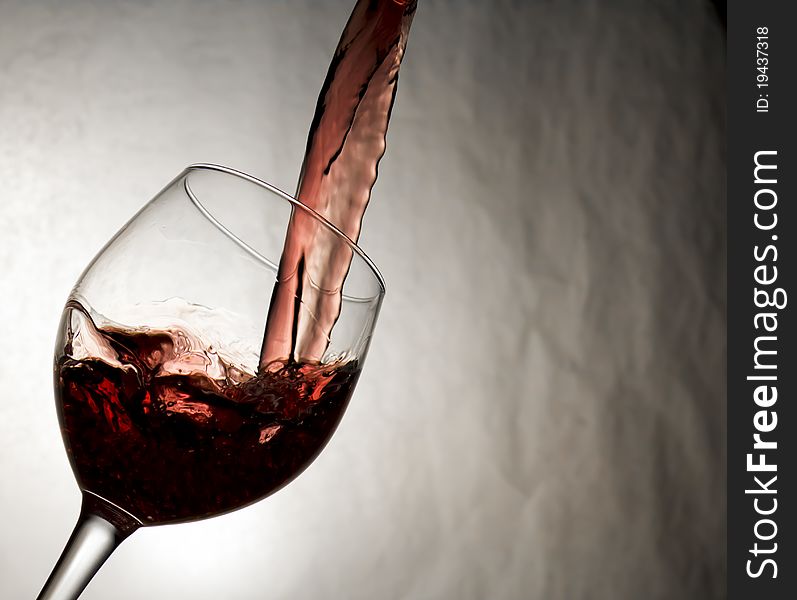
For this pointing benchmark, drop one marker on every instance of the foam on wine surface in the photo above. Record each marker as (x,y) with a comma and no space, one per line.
(162,424)
(344,147)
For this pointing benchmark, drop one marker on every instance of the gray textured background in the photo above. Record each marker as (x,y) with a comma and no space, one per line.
(542,412)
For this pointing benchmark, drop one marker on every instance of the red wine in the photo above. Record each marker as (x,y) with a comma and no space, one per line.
(161,426)
(344,146)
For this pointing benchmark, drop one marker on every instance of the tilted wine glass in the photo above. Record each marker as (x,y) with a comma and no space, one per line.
(166,412)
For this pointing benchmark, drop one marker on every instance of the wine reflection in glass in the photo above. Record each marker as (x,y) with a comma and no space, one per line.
(167,413)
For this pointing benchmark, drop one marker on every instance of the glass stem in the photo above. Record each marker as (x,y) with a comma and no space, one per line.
(100,529)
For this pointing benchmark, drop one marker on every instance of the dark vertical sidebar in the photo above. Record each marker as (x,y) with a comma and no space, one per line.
(762,226)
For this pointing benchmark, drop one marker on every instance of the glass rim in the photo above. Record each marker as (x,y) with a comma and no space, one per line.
(293,201)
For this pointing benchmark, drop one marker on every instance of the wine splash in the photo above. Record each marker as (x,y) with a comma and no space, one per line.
(344,146)
(159,424)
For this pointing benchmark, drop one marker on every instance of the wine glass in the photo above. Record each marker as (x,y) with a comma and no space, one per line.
(167,411)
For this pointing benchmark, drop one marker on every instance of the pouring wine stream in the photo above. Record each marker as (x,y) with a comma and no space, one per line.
(344,146)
